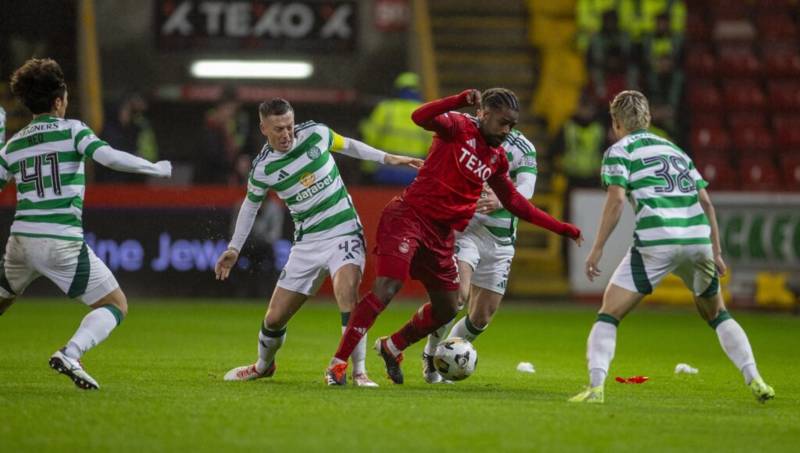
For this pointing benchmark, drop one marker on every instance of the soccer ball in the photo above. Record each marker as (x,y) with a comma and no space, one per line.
(455,359)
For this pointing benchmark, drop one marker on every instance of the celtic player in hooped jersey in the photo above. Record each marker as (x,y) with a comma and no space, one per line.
(46,160)
(484,252)
(297,164)
(676,231)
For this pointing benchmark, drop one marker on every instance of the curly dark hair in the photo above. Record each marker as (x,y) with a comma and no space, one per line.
(38,83)
(498,98)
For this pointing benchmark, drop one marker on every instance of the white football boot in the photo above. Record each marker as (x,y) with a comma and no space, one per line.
(73,369)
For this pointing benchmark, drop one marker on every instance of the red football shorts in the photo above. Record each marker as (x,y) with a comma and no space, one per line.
(407,245)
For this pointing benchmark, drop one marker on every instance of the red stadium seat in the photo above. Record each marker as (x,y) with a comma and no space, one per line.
(703,96)
(718,171)
(782,63)
(707,120)
(758,173)
(739,63)
(738,120)
(709,140)
(697,30)
(776,6)
(752,139)
(784,95)
(728,9)
(700,61)
(776,27)
(786,121)
(744,95)
(790,169)
(788,136)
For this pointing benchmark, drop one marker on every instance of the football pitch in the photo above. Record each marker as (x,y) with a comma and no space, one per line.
(161,385)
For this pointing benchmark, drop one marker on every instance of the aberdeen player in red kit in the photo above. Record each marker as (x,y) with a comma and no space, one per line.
(416,231)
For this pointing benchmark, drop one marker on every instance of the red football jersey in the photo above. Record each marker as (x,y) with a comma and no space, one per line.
(459,162)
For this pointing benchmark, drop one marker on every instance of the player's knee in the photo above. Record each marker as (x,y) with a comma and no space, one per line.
(386,288)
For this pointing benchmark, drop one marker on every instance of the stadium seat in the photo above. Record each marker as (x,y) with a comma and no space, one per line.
(700,61)
(776,27)
(751,138)
(788,136)
(707,120)
(703,96)
(775,6)
(728,9)
(717,170)
(737,120)
(782,63)
(739,63)
(790,170)
(786,121)
(697,29)
(743,95)
(784,95)
(758,173)
(709,140)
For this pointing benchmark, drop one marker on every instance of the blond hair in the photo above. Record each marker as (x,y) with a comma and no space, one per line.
(631,110)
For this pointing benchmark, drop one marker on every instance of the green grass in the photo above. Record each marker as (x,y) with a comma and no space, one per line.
(162,389)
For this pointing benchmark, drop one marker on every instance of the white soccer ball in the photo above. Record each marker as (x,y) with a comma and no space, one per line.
(455,359)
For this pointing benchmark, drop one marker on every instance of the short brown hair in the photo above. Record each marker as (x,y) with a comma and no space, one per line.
(275,106)
(38,83)
(631,110)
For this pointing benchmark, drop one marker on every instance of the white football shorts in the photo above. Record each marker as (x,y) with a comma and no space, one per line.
(71,265)
(643,268)
(311,262)
(490,261)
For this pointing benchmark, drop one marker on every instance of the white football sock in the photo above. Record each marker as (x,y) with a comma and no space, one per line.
(600,351)
(466,330)
(269,341)
(435,338)
(735,344)
(95,327)
(359,355)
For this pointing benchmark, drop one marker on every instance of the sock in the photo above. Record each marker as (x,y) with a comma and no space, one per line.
(735,344)
(600,348)
(269,341)
(361,319)
(466,330)
(359,355)
(435,338)
(95,327)
(421,324)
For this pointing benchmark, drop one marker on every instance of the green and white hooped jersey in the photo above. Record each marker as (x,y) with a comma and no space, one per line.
(46,160)
(307,179)
(662,183)
(2,126)
(501,224)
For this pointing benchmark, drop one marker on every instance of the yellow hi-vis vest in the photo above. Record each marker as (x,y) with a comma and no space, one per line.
(583,151)
(389,128)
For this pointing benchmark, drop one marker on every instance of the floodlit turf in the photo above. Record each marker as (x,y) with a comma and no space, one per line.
(162,389)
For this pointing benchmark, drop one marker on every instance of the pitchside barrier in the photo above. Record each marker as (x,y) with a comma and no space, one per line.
(164,241)
(760,235)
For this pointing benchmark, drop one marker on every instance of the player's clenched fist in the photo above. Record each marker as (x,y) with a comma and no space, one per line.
(473,97)
(225,263)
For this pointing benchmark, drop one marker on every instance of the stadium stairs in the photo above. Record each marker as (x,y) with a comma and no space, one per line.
(480,44)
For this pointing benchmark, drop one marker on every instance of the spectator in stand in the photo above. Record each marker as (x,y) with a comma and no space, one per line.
(589,17)
(128,128)
(390,128)
(639,17)
(609,59)
(580,144)
(222,141)
(664,78)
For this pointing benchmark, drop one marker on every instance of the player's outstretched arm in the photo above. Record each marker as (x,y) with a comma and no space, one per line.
(360,150)
(122,161)
(244,223)
(431,115)
(612,211)
(522,208)
(708,208)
